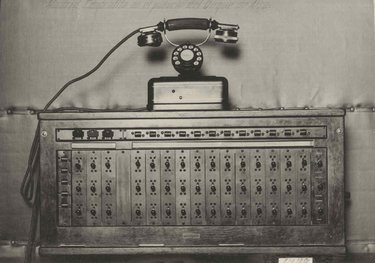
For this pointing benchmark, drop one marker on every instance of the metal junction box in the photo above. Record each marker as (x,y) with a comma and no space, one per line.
(192,182)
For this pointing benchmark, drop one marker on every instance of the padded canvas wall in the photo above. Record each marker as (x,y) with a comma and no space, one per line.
(291,53)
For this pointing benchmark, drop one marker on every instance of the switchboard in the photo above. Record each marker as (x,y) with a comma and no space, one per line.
(228,181)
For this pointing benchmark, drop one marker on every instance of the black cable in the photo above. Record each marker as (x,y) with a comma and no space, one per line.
(31,243)
(91,71)
(30,183)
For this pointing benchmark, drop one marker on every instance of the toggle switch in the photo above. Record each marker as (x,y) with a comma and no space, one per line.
(108,165)
(167,164)
(153,212)
(93,212)
(243,164)
(167,188)
(243,188)
(213,212)
(93,189)
(198,211)
(228,188)
(274,211)
(108,212)
(213,164)
(78,212)
(258,165)
(183,212)
(198,188)
(138,212)
(93,166)
(289,211)
(138,188)
(183,188)
(289,188)
(273,164)
(152,165)
(304,163)
(320,211)
(108,188)
(259,188)
(227,164)
(243,211)
(168,211)
(182,164)
(259,211)
(78,188)
(288,164)
(229,212)
(153,188)
(304,211)
(304,187)
(78,166)
(274,188)
(197,165)
(213,188)
(138,164)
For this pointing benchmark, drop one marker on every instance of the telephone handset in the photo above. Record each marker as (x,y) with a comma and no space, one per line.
(187,58)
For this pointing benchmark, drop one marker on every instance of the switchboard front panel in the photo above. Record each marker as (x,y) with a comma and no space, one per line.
(165,182)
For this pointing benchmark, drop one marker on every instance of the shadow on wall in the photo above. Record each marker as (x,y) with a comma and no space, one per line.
(156,55)
(231,52)
(159,54)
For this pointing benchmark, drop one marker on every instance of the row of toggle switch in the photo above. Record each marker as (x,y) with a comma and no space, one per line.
(213,188)
(213,212)
(258,164)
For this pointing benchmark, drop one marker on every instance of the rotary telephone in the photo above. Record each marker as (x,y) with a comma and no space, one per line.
(190,90)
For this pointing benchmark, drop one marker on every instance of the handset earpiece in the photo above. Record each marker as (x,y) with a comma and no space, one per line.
(151,36)
(152,39)
(226,33)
